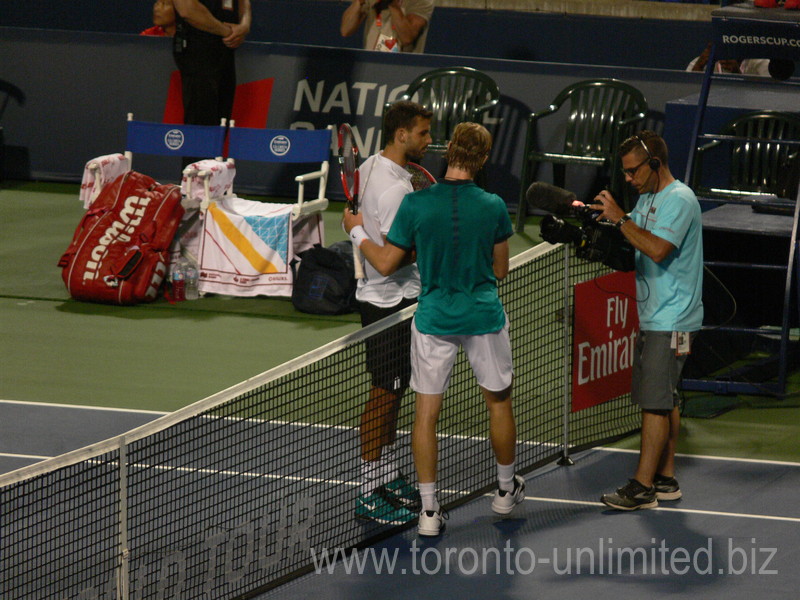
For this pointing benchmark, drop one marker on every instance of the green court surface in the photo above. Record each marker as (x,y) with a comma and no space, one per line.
(157,356)
(745,432)
(162,356)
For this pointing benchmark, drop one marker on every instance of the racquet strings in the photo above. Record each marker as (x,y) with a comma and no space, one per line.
(420,179)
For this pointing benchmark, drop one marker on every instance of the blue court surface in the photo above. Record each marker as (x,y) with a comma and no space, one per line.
(33,431)
(734,534)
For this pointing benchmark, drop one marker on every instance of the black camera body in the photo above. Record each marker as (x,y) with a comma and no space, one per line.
(593,240)
(381,5)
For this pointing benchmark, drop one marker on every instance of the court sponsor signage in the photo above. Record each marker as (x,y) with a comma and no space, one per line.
(747,37)
(606,323)
(360,103)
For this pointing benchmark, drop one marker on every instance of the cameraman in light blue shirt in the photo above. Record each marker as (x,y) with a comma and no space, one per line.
(665,228)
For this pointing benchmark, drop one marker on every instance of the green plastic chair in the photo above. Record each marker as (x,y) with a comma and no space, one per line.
(756,159)
(599,114)
(455,95)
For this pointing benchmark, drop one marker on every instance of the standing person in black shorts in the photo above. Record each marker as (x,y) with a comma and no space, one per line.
(385,495)
(206,36)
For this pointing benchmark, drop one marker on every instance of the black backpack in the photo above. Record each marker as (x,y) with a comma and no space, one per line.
(323,280)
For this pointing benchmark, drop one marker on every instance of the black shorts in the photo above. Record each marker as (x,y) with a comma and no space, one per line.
(388,353)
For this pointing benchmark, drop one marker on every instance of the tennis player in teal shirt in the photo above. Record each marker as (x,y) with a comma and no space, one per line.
(460,235)
(449,227)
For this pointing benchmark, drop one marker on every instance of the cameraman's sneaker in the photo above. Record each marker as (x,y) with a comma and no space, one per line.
(402,493)
(631,497)
(504,502)
(667,488)
(379,507)
(431,522)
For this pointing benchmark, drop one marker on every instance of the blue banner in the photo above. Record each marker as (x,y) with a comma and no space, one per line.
(749,34)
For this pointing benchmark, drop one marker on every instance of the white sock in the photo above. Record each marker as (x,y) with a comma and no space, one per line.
(389,471)
(505,477)
(371,472)
(428,493)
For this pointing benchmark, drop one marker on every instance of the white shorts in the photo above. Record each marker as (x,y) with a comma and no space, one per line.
(433,356)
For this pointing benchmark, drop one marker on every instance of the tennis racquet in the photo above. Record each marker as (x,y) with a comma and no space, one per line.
(420,177)
(349,162)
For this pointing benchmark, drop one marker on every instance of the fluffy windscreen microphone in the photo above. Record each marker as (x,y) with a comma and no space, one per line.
(551,198)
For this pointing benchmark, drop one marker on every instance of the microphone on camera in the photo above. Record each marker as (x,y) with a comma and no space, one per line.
(550,198)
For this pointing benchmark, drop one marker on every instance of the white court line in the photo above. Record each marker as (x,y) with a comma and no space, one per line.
(33,456)
(317,480)
(715,513)
(400,431)
(85,407)
(299,424)
(759,461)
(346,427)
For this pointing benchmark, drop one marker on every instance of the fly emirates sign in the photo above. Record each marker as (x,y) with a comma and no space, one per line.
(606,324)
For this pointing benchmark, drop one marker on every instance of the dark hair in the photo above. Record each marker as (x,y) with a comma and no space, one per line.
(401,115)
(654,143)
(469,147)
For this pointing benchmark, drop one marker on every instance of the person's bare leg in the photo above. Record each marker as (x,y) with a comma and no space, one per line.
(655,433)
(502,427)
(423,437)
(377,420)
(666,465)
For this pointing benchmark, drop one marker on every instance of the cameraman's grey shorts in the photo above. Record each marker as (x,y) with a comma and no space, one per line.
(656,371)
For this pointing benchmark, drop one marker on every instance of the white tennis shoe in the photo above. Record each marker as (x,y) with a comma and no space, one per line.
(504,502)
(431,522)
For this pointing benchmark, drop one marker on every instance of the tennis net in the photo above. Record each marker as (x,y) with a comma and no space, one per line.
(227,497)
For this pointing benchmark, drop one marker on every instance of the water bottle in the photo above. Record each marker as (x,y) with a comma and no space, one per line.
(178,282)
(192,279)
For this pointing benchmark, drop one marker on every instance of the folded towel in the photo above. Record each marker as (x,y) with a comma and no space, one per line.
(100,171)
(207,180)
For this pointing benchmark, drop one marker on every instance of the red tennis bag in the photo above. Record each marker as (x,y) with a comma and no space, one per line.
(119,252)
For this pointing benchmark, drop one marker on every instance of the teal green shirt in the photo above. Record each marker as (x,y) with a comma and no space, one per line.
(454,227)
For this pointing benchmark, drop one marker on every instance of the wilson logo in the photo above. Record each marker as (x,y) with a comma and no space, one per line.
(119,231)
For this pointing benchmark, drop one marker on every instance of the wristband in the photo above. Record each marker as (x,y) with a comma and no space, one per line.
(622,221)
(358,235)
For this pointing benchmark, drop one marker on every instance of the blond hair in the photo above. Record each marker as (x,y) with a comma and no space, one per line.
(469,147)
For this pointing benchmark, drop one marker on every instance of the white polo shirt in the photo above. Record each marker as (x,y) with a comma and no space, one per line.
(383,185)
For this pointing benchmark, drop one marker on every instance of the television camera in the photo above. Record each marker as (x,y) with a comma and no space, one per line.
(594,240)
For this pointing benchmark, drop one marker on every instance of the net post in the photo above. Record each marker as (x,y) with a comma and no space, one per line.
(565,460)
(123,571)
